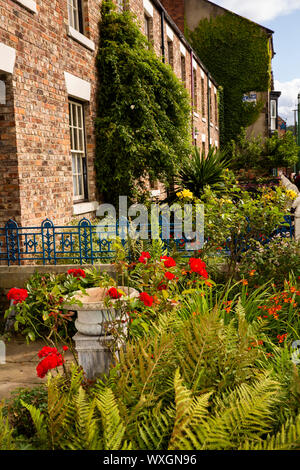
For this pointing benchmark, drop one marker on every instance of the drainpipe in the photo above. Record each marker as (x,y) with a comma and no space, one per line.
(192,96)
(208,109)
(162,19)
(298,133)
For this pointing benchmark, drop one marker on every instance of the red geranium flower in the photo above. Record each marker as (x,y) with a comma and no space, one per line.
(113,293)
(144,256)
(17,295)
(169,275)
(198,266)
(77,273)
(169,262)
(51,359)
(146,299)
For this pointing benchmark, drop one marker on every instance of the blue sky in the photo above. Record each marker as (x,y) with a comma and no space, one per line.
(283,17)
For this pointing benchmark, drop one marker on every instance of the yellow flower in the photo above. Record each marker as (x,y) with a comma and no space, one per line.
(227,201)
(185,194)
(291,194)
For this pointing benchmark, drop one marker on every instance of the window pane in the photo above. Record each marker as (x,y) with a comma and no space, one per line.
(75,190)
(79,120)
(2,92)
(77,147)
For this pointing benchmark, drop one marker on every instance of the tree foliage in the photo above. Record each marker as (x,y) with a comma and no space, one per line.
(237,53)
(277,151)
(143,117)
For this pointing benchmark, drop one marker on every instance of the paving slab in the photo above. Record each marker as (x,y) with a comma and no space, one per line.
(19,369)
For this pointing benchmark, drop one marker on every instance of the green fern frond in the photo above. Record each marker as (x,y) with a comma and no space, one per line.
(38,421)
(6,433)
(246,414)
(154,429)
(112,425)
(82,423)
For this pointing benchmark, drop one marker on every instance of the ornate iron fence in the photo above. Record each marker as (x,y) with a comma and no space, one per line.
(83,243)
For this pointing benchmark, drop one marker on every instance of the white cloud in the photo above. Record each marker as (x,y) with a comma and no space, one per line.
(260,10)
(288,98)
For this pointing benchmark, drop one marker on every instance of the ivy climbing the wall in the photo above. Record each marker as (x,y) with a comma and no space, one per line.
(143,116)
(236,51)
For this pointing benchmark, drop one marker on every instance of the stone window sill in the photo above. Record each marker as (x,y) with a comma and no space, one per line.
(85,207)
(204,119)
(28,4)
(81,38)
(196,114)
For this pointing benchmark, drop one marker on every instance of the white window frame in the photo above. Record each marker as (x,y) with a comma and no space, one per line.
(273,114)
(74,15)
(78,152)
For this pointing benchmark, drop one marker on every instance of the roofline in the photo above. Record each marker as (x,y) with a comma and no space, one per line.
(183,39)
(270,31)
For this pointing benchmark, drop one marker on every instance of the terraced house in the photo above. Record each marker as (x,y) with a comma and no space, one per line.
(190,14)
(48,85)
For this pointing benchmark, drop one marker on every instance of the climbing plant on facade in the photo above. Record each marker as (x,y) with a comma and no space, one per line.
(143,117)
(237,53)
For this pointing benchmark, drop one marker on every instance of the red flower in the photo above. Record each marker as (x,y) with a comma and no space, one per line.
(169,262)
(169,275)
(113,293)
(144,256)
(65,348)
(146,299)
(162,286)
(198,266)
(51,359)
(17,295)
(77,273)
(46,350)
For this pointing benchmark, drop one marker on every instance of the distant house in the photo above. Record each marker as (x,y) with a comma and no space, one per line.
(188,14)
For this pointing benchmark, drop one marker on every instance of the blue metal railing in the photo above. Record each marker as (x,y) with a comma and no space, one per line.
(86,243)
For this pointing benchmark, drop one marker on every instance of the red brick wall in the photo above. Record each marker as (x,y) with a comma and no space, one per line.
(35,172)
(175,8)
(43,52)
(9,184)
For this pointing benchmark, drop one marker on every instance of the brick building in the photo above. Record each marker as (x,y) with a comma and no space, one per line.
(188,13)
(48,85)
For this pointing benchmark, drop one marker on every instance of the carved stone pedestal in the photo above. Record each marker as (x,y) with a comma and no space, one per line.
(94,354)
(92,342)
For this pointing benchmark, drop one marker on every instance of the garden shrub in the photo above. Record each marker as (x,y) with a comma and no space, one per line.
(275,261)
(277,151)
(19,417)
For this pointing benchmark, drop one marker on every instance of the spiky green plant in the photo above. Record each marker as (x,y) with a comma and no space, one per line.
(200,171)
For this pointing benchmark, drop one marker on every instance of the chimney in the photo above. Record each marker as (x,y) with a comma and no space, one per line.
(175,8)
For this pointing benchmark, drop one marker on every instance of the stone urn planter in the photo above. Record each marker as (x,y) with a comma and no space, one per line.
(93,342)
